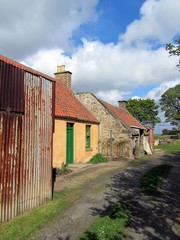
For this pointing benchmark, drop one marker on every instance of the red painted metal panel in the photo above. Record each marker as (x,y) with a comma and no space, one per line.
(11,88)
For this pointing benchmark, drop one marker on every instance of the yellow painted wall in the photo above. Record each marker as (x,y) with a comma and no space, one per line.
(80,152)
(59,143)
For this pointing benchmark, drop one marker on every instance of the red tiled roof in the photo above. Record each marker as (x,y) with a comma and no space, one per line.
(123,115)
(68,106)
(25,68)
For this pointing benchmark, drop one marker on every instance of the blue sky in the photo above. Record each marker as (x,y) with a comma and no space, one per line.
(115,49)
(113,19)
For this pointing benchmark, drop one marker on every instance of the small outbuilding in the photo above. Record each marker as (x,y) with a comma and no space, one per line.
(26,138)
(148,139)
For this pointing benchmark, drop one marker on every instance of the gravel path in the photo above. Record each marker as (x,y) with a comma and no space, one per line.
(158,217)
(153,217)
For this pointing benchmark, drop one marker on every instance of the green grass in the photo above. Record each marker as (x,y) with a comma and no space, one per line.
(169,148)
(154,179)
(98,158)
(161,137)
(141,159)
(63,170)
(24,226)
(111,225)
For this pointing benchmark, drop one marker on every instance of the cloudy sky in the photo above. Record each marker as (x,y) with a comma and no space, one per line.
(115,49)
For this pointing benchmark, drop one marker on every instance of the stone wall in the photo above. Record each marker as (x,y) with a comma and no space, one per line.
(114,139)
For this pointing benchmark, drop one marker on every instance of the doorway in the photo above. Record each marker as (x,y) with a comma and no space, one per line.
(70,143)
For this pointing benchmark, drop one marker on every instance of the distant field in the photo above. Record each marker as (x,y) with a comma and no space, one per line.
(169,148)
(160,136)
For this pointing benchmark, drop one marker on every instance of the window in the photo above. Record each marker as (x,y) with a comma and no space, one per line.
(88,136)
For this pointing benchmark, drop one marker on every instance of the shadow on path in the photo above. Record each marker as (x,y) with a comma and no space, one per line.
(153,217)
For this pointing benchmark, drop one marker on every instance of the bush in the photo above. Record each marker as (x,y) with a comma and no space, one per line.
(98,158)
(63,170)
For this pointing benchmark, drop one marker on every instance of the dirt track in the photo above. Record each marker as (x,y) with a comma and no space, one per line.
(153,217)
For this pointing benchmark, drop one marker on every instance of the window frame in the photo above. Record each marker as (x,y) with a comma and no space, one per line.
(88,136)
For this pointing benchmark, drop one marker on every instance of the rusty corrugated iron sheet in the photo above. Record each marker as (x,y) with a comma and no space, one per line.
(10,158)
(25,68)
(36,179)
(11,88)
(26,145)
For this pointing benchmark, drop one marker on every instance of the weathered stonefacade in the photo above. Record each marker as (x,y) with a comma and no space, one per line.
(114,138)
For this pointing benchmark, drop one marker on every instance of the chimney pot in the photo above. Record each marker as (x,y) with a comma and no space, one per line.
(61,68)
(122,103)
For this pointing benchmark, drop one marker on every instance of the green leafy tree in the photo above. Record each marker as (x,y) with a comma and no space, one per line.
(144,110)
(170,103)
(165,131)
(174,50)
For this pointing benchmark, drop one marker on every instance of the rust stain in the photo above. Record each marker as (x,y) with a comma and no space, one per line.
(26,135)
(11,88)
(10,140)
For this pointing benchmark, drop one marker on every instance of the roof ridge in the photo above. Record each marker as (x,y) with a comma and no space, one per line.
(68,106)
(25,68)
(132,121)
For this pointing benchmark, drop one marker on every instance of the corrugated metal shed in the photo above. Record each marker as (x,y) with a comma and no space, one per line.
(10,157)
(11,88)
(26,134)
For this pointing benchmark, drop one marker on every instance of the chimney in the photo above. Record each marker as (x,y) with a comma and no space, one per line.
(122,104)
(64,76)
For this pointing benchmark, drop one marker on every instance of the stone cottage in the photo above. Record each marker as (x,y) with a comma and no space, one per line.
(120,134)
(76,129)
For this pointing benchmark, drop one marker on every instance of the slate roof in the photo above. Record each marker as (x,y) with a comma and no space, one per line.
(69,107)
(25,68)
(123,115)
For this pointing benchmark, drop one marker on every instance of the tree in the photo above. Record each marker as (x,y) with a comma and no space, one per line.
(170,103)
(174,49)
(165,131)
(144,110)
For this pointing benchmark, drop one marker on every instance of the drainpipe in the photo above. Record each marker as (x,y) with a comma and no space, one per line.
(111,144)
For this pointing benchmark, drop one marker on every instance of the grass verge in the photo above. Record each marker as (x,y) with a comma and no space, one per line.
(169,148)
(154,179)
(111,224)
(26,225)
(141,159)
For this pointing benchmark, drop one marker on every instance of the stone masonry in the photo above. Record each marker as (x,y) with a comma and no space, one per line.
(114,138)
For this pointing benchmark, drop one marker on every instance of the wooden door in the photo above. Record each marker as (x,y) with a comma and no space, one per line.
(70,143)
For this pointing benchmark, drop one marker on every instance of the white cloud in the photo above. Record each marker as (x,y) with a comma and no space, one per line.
(40,32)
(156,93)
(27,26)
(159,21)
(107,69)
(112,96)
(47,61)
(112,71)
